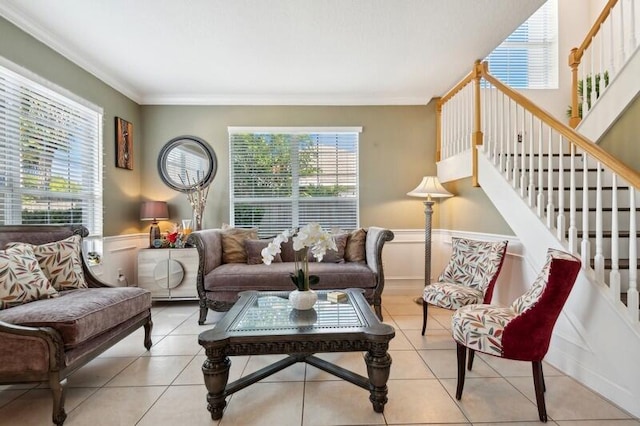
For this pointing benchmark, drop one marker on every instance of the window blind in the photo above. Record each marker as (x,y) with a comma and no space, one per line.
(528,58)
(50,156)
(286,180)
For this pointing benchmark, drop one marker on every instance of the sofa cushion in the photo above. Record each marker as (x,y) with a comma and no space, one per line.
(233,244)
(337,256)
(81,314)
(356,250)
(61,262)
(239,277)
(254,251)
(21,279)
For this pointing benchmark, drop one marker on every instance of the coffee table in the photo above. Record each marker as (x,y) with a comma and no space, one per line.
(263,323)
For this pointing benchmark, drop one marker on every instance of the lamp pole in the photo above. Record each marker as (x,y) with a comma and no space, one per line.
(428,213)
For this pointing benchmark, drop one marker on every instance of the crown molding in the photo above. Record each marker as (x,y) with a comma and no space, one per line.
(282,100)
(45,37)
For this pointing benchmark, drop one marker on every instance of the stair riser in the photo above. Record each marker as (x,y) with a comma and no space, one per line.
(623,247)
(623,220)
(623,198)
(606,179)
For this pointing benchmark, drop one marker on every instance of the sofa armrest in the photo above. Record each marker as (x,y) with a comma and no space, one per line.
(35,349)
(208,242)
(376,237)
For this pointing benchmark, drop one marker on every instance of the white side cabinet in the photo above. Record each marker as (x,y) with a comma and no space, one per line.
(169,274)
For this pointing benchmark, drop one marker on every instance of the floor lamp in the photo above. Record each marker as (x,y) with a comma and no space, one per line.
(428,188)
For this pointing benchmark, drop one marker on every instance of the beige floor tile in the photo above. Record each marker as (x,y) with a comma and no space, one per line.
(353,361)
(338,403)
(99,371)
(293,373)
(538,423)
(130,346)
(175,345)
(414,322)
(276,403)
(397,299)
(115,406)
(444,364)
(8,395)
(512,368)
(180,405)
(433,339)
(400,342)
(408,308)
(608,422)
(192,374)
(492,400)
(34,408)
(420,401)
(567,399)
(151,371)
(408,365)
(191,326)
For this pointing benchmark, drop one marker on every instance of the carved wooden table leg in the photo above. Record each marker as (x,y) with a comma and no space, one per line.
(216,375)
(378,368)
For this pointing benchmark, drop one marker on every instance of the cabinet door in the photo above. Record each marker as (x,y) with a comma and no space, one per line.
(148,259)
(188,258)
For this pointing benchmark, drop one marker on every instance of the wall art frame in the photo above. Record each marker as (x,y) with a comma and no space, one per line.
(124,144)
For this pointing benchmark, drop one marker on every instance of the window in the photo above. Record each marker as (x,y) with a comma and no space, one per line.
(528,58)
(50,154)
(285,178)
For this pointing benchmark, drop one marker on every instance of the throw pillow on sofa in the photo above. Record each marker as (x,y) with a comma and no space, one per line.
(61,262)
(356,246)
(254,251)
(21,279)
(233,243)
(337,256)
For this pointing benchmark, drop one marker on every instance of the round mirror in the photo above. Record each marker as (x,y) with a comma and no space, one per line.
(185,162)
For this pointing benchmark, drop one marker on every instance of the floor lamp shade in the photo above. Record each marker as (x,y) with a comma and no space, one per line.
(430,187)
(155,211)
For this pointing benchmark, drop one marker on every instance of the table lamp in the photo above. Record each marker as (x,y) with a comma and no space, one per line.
(430,187)
(155,211)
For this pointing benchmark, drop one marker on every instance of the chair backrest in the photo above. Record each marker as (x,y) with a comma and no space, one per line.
(475,264)
(527,336)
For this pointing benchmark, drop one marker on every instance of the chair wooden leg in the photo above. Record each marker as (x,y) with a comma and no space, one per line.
(472,355)
(538,383)
(462,355)
(425,306)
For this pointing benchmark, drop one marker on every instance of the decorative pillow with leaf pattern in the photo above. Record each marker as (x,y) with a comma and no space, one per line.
(61,262)
(21,279)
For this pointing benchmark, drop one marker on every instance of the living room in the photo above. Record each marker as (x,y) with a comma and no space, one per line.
(397,147)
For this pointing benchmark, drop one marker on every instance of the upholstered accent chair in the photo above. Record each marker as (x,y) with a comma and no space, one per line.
(468,278)
(521,331)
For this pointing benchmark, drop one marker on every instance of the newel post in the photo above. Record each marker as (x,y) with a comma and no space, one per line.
(574,62)
(476,140)
(438,130)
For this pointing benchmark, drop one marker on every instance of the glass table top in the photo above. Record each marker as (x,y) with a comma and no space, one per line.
(273,311)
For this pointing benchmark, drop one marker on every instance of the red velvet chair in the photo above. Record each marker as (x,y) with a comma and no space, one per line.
(523,330)
(468,278)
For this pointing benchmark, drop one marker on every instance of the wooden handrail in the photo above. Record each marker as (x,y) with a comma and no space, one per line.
(458,87)
(595,28)
(576,55)
(625,172)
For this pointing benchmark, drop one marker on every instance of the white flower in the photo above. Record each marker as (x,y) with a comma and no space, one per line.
(310,236)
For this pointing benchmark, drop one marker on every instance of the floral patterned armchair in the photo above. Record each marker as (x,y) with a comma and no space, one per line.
(468,278)
(521,331)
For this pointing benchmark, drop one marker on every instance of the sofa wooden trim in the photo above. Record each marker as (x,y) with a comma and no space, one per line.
(49,340)
(210,259)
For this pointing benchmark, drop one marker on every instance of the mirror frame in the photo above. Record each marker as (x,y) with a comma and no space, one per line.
(176,142)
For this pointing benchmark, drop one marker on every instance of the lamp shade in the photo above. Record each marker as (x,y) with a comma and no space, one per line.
(430,187)
(154,210)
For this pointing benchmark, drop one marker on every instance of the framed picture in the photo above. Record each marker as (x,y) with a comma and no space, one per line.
(124,144)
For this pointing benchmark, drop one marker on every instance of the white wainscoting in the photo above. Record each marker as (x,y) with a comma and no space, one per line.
(121,253)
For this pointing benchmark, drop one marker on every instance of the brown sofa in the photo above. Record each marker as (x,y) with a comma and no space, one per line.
(219,283)
(48,339)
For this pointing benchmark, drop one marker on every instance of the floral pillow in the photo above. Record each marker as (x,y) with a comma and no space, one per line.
(61,262)
(21,279)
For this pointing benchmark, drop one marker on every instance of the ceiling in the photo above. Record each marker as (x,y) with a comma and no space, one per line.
(273,52)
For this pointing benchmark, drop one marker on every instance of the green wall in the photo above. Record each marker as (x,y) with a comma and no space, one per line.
(397,148)
(122,187)
(622,140)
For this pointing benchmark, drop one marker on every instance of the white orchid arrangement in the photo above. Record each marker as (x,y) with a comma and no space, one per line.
(310,237)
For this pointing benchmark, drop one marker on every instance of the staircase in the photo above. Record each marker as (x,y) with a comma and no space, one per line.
(556,188)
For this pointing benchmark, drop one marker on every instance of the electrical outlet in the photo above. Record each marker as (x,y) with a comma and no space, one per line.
(120,274)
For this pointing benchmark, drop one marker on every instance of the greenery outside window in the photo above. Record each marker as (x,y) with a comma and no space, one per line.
(287,177)
(50,154)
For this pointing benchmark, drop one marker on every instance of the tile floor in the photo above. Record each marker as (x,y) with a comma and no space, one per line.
(130,386)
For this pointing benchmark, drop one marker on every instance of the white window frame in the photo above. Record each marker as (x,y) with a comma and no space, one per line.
(58,97)
(295,198)
(541,68)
